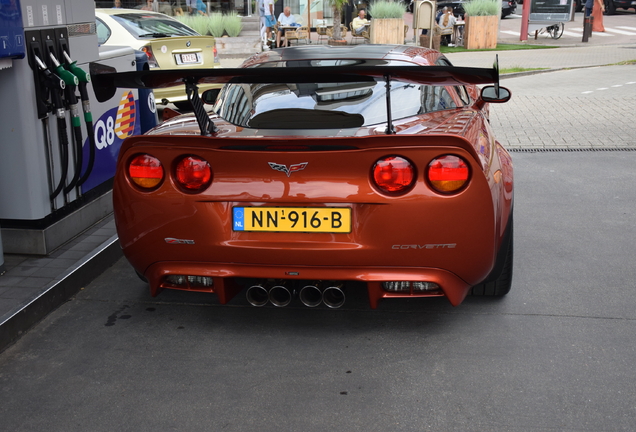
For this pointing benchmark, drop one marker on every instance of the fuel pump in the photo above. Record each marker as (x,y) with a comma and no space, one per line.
(56,169)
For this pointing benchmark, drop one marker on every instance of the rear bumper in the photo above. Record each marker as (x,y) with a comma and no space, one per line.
(452,287)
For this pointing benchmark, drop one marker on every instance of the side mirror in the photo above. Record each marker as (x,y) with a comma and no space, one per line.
(209,96)
(494,94)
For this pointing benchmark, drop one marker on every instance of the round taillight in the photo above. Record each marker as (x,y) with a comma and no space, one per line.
(193,173)
(448,174)
(393,174)
(145,171)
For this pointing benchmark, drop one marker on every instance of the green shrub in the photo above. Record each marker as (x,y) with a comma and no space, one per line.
(233,24)
(200,24)
(387,9)
(483,7)
(216,24)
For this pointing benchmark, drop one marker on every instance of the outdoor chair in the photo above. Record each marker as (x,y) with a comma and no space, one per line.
(302,33)
(343,31)
(321,31)
(365,36)
(446,33)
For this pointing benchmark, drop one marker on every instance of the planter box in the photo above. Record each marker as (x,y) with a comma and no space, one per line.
(481,32)
(387,31)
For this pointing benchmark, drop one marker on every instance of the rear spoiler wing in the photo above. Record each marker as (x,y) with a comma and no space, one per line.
(106,80)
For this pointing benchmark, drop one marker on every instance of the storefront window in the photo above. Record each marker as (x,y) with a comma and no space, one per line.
(311,12)
(178,7)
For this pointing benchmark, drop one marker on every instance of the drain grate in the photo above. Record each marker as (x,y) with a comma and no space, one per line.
(568,149)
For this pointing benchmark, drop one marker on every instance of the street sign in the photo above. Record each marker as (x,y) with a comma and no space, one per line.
(550,10)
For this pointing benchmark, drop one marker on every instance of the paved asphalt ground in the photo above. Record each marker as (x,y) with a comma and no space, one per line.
(555,354)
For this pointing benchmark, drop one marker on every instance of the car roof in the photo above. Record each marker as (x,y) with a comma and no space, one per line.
(417,55)
(118,11)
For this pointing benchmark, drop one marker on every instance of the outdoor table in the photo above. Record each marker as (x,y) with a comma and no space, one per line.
(458,33)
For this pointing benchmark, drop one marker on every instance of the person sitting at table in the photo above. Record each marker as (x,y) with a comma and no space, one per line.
(286,19)
(359,23)
(446,22)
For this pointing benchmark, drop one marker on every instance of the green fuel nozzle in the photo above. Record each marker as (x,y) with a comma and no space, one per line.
(67,77)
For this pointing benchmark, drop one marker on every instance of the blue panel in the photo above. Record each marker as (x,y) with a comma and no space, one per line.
(11,30)
(111,129)
(239,216)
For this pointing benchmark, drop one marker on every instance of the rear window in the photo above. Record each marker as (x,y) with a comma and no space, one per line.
(326,105)
(144,26)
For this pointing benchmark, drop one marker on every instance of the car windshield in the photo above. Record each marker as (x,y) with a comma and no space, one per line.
(144,26)
(326,105)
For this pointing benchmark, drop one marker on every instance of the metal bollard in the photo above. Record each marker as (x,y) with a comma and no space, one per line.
(587,28)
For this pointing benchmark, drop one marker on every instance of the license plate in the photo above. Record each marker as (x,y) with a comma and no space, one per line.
(189,58)
(293,219)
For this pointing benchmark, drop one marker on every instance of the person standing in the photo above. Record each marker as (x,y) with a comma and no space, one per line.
(270,21)
(597,13)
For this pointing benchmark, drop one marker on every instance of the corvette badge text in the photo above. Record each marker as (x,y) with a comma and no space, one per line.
(426,246)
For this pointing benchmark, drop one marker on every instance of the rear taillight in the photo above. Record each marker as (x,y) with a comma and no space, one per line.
(393,174)
(152,61)
(216,54)
(193,173)
(145,171)
(448,174)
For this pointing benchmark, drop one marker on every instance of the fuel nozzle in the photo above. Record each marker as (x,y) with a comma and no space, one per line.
(55,85)
(84,78)
(72,67)
(69,78)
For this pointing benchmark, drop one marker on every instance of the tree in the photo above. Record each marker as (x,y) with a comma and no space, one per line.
(337,6)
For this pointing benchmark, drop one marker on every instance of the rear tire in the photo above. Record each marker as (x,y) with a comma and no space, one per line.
(500,286)
(610,8)
(142,277)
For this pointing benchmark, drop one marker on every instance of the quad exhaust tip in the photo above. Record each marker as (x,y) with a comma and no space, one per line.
(257,295)
(333,297)
(279,296)
(311,295)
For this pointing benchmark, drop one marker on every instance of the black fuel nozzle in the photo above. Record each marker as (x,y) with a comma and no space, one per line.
(55,85)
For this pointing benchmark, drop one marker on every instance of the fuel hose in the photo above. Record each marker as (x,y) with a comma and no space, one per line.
(56,85)
(84,78)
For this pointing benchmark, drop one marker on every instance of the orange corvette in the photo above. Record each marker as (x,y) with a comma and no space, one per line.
(319,166)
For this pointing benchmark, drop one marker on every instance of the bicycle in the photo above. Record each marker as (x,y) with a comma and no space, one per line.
(555,30)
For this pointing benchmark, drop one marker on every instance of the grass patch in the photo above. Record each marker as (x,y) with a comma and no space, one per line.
(626,62)
(500,47)
(516,69)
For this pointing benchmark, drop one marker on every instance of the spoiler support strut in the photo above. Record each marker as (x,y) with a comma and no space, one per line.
(206,125)
(389,121)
